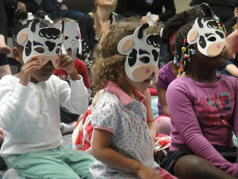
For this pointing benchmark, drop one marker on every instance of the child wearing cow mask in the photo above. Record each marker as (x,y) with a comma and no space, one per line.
(121,140)
(202,105)
(30,101)
(169,72)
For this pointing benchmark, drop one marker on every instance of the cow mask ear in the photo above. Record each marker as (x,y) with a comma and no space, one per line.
(192,36)
(129,41)
(124,45)
(22,37)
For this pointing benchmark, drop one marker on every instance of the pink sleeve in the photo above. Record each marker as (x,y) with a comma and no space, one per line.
(105,129)
(184,119)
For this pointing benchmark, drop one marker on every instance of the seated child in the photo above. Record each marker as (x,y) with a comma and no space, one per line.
(30,100)
(169,72)
(121,142)
(202,105)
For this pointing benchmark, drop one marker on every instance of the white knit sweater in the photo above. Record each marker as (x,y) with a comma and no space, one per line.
(30,115)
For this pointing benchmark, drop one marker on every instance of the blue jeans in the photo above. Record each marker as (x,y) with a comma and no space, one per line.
(58,13)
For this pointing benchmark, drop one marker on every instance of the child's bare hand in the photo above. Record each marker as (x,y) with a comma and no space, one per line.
(66,63)
(145,172)
(28,68)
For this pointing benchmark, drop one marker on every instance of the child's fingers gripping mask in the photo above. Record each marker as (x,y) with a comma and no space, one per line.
(209,35)
(142,54)
(72,39)
(44,42)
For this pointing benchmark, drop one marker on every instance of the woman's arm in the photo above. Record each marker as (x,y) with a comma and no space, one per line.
(232,43)
(169,10)
(232,69)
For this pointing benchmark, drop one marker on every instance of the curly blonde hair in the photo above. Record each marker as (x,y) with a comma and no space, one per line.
(109,64)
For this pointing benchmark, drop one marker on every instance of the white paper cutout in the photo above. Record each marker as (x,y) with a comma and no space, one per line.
(72,39)
(150,18)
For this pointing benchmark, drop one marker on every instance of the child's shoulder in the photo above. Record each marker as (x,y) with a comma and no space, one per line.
(165,68)
(181,81)
(229,80)
(107,99)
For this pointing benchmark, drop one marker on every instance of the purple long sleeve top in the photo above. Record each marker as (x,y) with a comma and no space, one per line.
(165,77)
(203,115)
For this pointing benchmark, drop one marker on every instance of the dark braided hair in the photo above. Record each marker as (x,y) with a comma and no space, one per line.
(181,35)
(177,21)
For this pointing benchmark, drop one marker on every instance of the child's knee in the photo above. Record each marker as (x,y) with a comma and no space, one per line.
(191,165)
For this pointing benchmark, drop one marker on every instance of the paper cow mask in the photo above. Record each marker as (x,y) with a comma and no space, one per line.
(209,36)
(44,42)
(142,54)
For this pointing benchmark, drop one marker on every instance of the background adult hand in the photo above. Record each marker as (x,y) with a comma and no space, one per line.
(64,7)
(21,5)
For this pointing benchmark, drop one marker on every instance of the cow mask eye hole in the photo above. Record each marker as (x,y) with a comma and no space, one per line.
(66,37)
(77,37)
(39,50)
(212,39)
(57,50)
(144,59)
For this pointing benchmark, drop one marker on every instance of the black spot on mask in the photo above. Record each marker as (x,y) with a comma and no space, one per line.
(50,45)
(28,48)
(202,41)
(132,58)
